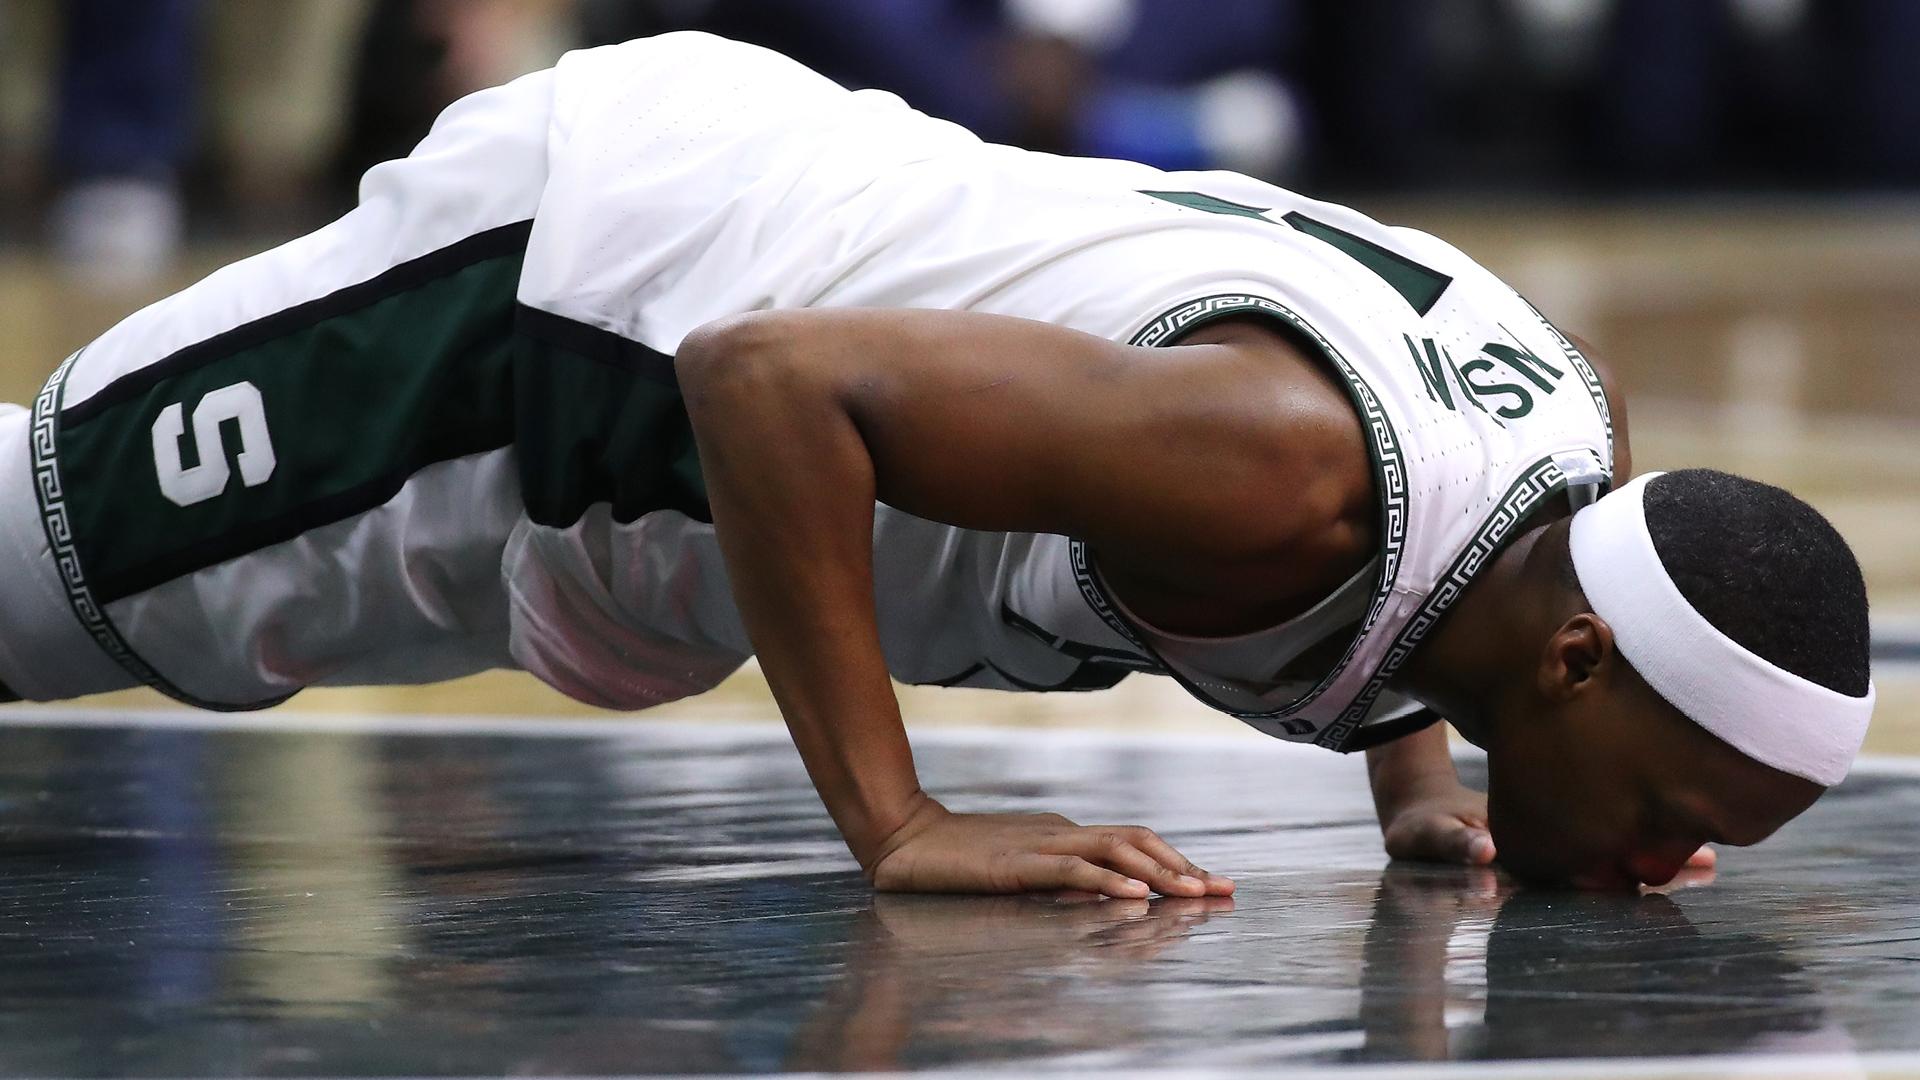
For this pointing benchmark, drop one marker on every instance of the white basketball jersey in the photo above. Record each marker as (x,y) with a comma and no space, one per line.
(686,178)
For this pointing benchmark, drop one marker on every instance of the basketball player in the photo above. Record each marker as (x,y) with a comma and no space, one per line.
(679,353)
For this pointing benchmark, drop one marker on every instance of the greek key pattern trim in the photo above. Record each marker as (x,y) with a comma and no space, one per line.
(1541,482)
(1390,469)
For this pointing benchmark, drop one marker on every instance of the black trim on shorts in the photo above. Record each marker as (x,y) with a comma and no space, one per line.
(598,418)
(600,346)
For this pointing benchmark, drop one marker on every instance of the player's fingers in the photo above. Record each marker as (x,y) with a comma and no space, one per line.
(1111,848)
(1035,872)
(1167,855)
(1704,859)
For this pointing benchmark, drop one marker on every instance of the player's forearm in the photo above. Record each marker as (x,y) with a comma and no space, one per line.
(791,487)
(1406,770)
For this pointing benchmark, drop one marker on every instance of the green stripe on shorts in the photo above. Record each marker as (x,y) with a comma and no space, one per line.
(322,412)
(318,413)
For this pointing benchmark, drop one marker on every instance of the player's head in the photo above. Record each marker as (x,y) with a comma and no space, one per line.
(1705,679)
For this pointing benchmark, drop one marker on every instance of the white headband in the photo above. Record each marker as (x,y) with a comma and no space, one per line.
(1771,715)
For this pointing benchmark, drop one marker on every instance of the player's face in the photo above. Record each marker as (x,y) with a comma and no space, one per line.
(1617,789)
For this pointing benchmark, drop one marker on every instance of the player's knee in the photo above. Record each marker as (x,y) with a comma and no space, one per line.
(725,352)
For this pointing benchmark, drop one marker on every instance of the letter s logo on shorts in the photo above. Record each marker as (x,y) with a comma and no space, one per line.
(184,486)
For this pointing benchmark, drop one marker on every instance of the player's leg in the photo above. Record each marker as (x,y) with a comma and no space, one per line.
(257,482)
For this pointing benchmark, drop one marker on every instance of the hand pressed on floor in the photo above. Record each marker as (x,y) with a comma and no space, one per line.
(942,852)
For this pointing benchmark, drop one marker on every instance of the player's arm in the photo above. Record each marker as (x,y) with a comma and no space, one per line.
(804,418)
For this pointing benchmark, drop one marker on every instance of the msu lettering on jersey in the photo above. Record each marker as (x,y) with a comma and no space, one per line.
(517,486)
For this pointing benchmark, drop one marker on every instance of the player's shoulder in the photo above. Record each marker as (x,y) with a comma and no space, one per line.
(1312,437)
(1291,473)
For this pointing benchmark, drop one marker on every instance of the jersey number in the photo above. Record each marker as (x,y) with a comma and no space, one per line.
(240,404)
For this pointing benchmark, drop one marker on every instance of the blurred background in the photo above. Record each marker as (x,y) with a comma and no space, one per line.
(1719,193)
(243,115)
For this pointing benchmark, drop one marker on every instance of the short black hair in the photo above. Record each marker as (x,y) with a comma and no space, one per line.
(1767,570)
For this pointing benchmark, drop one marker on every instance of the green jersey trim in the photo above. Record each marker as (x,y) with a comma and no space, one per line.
(1194,200)
(1390,480)
(1420,286)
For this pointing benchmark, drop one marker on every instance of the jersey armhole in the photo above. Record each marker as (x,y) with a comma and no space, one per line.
(1172,326)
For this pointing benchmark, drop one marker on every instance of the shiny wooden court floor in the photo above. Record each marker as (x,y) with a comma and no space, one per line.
(292,897)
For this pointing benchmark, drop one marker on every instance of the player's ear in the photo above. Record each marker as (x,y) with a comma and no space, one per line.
(1578,658)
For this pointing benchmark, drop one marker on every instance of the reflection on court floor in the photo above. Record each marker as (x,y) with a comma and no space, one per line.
(287,896)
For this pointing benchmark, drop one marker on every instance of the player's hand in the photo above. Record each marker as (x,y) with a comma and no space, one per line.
(1448,825)
(938,851)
